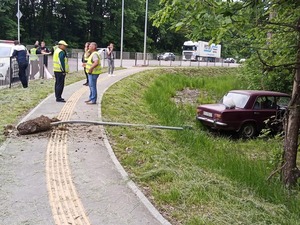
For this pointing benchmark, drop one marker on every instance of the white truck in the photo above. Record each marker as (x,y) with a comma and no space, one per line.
(201,50)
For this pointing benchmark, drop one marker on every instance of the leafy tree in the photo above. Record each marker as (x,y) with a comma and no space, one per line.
(268,30)
(8,20)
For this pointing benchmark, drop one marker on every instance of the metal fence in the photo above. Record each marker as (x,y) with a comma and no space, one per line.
(41,66)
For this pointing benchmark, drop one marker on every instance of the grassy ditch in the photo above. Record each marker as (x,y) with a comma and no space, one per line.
(17,101)
(194,176)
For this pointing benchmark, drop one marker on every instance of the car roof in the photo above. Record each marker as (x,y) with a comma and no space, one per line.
(260,92)
(6,45)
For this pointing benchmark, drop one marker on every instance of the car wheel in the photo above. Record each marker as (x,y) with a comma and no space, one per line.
(248,130)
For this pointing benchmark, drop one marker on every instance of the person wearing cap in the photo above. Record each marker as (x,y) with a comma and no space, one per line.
(21,54)
(60,68)
(93,69)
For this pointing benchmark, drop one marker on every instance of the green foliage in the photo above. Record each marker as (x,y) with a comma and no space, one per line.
(16,101)
(264,30)
(195,176)
(78,21)
(279,79)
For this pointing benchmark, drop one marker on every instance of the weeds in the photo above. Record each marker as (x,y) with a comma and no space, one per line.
(197,177)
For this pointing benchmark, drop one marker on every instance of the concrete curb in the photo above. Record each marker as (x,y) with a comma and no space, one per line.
(124,174)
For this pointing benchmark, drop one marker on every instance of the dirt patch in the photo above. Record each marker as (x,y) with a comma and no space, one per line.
(186,96)
(42,123)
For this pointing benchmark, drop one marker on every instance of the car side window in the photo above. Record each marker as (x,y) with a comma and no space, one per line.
(265,102)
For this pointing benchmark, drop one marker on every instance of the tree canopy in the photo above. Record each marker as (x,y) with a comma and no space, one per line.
(78,21)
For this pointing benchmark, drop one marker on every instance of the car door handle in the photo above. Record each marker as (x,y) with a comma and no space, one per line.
(256,113)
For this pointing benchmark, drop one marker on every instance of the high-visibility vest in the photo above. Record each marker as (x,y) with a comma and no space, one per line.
(33,55)
(54,48)
(86,56)
(56,62)
(97,69)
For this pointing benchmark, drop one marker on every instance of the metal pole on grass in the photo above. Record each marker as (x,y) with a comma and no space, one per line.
(145,35)
(122,31)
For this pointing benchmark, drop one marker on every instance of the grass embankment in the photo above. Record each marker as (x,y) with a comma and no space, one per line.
(17,101)
(193,176)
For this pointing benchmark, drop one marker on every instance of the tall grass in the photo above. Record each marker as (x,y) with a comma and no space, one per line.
(16,101)
(193,176)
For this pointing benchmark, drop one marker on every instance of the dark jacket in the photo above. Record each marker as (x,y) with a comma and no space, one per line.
(20,53)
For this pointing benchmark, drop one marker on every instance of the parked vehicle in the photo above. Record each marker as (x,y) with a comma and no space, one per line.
(167,56)
(197,51)
(245,111)
(229,60)
(6,50)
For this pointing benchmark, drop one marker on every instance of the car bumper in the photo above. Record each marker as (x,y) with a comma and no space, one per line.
(214,123)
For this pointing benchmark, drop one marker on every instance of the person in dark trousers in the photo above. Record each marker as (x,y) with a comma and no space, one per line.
(110,59)
(45,51)
(60,68)
(84,59)
(21,54)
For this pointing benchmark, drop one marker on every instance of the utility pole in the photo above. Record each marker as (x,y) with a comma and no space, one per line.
(19,15)
(145,35)
(122,31)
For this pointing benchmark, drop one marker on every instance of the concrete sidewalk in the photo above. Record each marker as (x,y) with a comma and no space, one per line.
(70,175)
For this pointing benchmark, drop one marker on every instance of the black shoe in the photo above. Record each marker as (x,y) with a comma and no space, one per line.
(86,84)
(60,100)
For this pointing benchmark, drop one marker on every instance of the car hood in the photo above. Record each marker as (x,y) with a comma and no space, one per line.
(213,107)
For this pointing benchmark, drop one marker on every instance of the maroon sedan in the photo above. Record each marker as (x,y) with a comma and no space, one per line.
(243,111)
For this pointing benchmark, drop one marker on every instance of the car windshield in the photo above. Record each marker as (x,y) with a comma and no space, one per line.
(5,51)
(283,101)
(239,100)
(189,48)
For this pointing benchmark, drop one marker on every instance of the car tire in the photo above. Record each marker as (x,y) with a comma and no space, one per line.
(247,131)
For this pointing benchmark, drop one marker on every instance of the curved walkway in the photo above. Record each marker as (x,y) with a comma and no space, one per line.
(70,175)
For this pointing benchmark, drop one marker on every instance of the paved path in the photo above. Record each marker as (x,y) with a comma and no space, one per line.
(70,175)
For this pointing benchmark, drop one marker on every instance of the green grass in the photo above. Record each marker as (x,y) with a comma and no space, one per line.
(193,176)
(17,101)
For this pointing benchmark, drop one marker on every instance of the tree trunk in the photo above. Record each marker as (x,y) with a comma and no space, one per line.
(290,172)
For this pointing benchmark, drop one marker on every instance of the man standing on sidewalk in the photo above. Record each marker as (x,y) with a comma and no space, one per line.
(20,52)
(60,68)
(93,69)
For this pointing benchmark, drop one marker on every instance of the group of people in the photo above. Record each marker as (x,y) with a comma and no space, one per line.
(91,62)
(40,49)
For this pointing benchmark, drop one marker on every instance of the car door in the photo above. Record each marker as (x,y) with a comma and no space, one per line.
(263,109)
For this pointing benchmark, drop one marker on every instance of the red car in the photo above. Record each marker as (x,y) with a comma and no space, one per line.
(244,111)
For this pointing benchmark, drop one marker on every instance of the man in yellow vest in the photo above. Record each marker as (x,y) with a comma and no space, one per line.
(93,69)
(34,61)
(60,68)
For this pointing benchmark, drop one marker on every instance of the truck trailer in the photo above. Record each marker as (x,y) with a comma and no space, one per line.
(200,51)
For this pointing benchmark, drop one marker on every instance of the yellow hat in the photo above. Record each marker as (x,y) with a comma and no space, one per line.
(62,43)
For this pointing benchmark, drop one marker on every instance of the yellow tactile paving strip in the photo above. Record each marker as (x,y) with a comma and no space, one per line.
(64,201)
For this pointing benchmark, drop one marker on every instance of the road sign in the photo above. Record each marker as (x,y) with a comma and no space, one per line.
(19,14)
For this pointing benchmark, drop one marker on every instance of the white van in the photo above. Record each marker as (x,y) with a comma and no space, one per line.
(6,50)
